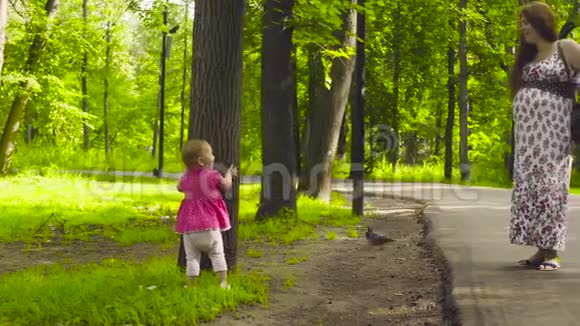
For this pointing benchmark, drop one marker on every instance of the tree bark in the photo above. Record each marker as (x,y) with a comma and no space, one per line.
(397,39)
(341,149)
(8,140)
(450,113)
(463,93)
(183,80)
(438,123)
(84,80)
(278,127)
(106,90)
(315,92)
(296,121)
(323,139)
(411,148)
(3,24)
(216,97)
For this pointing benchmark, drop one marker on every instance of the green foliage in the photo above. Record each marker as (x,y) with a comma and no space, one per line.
(414,106)
(121,293)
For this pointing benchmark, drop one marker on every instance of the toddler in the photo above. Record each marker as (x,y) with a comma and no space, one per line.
(203,215)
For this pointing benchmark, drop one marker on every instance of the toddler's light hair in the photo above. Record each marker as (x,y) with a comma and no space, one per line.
(193,150)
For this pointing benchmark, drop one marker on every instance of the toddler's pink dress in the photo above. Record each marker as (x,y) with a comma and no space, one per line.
(203,208)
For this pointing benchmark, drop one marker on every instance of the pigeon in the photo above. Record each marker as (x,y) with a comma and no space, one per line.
(376,239)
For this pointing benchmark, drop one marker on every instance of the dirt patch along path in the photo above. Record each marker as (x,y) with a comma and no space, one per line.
(16,256)
(345,281)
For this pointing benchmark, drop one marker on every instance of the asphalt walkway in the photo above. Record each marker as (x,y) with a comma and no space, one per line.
(470,225)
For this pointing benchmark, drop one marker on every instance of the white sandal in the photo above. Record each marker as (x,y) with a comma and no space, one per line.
(550,265)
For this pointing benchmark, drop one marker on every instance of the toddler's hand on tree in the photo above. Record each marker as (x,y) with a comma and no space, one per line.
(233,171)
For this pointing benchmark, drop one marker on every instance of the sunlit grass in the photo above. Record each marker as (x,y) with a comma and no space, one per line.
(125,159)
(36,207)
(296,260)
(289,227)
(33,206)
(121,293)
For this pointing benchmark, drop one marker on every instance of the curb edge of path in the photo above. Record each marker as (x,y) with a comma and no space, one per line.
(450,310)
(383,194)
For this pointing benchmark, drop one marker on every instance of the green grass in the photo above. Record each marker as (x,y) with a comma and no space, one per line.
(70,207)
(289,227)
(33,207)
(126,159)
(254,253)
(481,175)
(121,293)
(485,172)
(331,235)
(290,282)
(295,260)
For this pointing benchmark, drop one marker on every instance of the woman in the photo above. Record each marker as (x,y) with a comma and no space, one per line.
(542,103)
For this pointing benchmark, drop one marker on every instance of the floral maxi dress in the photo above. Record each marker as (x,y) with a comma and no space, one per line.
(542,162)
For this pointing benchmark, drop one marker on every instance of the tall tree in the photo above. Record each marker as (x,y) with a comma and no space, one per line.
(326,120)
(84,78)
(8,141)
(216,97)
(450,113)
(279,158)
(3,23)
(397,40)
(463,93)
(108,33)
(184,76)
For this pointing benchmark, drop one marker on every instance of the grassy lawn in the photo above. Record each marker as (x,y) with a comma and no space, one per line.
(119,293)
(34,209)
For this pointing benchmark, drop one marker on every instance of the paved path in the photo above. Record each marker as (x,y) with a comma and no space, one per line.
(470,226)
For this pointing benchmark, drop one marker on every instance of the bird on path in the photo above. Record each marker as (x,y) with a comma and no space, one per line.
(376,239)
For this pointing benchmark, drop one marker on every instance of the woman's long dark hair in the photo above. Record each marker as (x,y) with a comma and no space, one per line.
(543,20)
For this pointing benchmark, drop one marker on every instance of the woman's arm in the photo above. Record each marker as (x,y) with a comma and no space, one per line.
(571,51)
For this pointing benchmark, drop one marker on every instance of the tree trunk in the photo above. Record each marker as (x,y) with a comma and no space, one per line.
(183,80)
(320,153)
(216,97)
(397,39)
(296,126)
(3,23)
(278,127)
(438,123)
(8,141)
(155,133)
(450,114)
(84,81)
(463,94)
(315,92)
(106,90)
(341,149)
(411,148)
